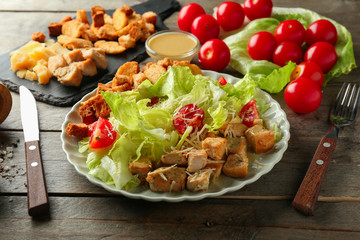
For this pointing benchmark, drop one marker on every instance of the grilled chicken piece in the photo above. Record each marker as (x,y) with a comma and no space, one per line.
(215,147)
(235,166)
(141,167)
(199,181)
(216,168)
(260,139)
(174,157)
(56,62)
(197,160)
(235,128)
(238,145)
(97,55)
(73,56)
(167,179)
(87,67)
(69,75)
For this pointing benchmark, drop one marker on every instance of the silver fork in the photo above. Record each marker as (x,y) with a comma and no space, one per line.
(342,114)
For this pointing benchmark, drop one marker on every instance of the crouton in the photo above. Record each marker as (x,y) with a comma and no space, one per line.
(90,35)
(174,157)
(141,167)
(110,47)
(199,181)
(103,87)
(237,145)
(81,16)
(234,128)
(108,19)
(167,179)
(138,79)
(73,28)
(79,130)
(235,166)
(120,79)
(260,139)
(87,67)
(65,19)
(127,10)
(38,36)
(106,31)
(215,147)
(165,63)
(129,68)
(97,9)
(122,88)
(73,43)
(194,68)
(73,56)
(149,17)
(216,168)
(54,29)
(153,72)
(94,108)
(97,55)
(119,19)
(56,62)
(135,17)
(69,75)
(127,41)
(97,15)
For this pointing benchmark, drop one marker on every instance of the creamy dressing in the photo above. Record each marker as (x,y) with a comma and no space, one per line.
(172,44)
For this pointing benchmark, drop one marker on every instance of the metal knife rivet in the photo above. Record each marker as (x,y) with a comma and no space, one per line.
(319,162)
(32,147)
(34,164)
(326,144)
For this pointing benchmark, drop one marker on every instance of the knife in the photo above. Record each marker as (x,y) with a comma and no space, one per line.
(38,201)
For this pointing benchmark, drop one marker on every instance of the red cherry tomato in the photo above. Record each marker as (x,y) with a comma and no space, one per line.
(214,55)
(255,9)
(287,51)
(249,113)
(303,95)
(205,27)
(321,31)
(189,115)
(222,81)
(261,46)
(290,30)
(323,54)
(187,15)
(308,70)
(103,134)
(230,15)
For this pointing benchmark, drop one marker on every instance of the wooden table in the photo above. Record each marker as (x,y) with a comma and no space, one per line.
(261,210)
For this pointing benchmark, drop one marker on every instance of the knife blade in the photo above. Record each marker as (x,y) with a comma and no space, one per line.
(38,201)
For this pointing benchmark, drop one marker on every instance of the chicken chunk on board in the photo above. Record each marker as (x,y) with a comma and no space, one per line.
(167,179)
(197,160)
(56,62)
(141,167)
(215,147)
(174,157)
(69,75)
(260,139)
(97,55)
(87,67)
(235,166)
(199,181)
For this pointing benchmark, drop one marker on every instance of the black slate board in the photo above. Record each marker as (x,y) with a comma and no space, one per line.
(57,94)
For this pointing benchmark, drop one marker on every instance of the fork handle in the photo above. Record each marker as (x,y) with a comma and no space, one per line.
(307,194)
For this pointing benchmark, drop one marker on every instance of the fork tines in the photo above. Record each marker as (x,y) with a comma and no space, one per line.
(347,101)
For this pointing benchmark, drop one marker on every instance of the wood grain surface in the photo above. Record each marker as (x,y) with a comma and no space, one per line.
(262,210)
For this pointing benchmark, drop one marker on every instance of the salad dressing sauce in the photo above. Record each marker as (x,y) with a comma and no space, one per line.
(172,44)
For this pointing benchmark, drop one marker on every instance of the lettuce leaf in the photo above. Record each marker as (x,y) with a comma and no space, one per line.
(271,77)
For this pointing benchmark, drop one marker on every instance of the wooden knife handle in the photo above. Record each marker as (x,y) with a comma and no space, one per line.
(38,201)
(307,195)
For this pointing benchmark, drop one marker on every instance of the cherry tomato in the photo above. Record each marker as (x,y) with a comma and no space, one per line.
(214,55)
(103,134)
(255,9)
(249,113)
(187,15)
(261,46)
(321,31)
(189,115)
(230,15)
(222,81)
(290,30)
(205,27)
(323,54)
(308,70)
(287,51)
(303,95)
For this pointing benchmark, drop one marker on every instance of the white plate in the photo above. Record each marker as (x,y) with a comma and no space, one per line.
(274,115)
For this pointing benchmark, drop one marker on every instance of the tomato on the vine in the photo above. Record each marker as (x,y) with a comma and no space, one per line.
(186,116)
(205,27)
(255,9)
(308,70)
(249,113)
(230,15)
(187,15)
(102,134)
(323,54)
(214,55)
(290,30)
(303,95)
(261,46)
(321,31)
(285,52)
